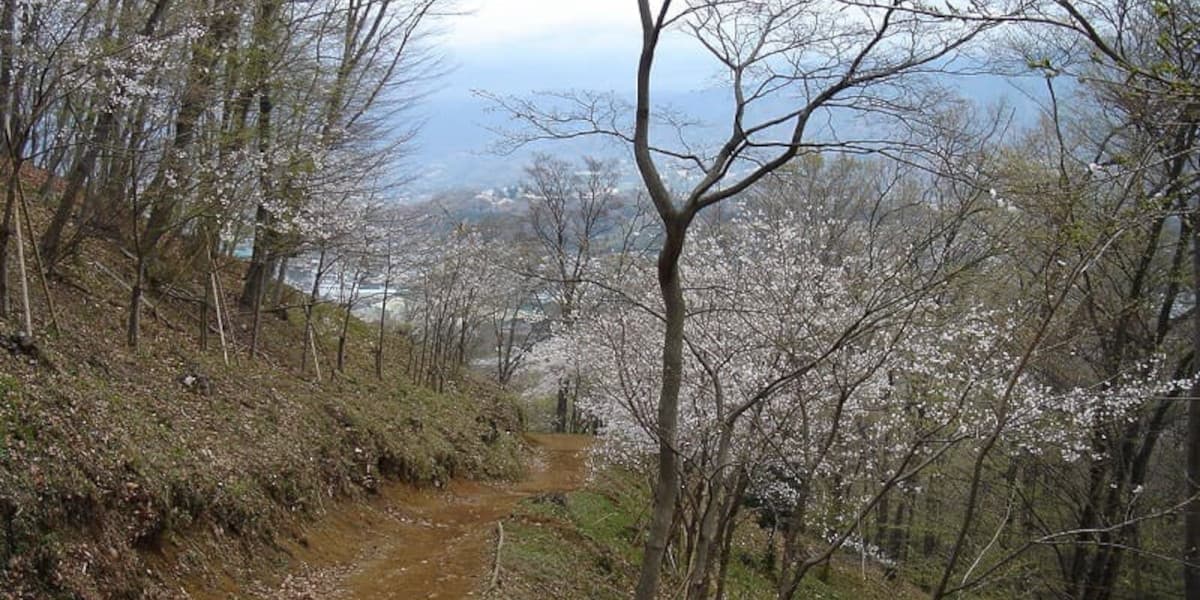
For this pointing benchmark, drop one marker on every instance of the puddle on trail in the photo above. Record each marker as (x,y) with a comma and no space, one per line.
(416,544)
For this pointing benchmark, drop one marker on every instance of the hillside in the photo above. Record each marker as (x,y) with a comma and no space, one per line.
(123,473)
(814,309)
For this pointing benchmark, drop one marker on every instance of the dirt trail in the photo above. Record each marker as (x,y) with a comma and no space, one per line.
(422,544)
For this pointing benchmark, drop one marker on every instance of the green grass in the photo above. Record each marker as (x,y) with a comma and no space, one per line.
(587,544)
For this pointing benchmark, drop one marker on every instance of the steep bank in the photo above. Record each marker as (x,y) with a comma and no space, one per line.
(120,470)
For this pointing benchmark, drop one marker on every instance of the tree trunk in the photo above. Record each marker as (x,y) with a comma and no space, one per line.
(667,487)
(133,332)
(256,321)
(711,522)
(561,409)
(733,506)
(313,296)
(37,262)
(6,231)
(1191,535)
(882,513)
(76,178)
(929,543)
(26,310)
(974,489)
(8,104)
(263,40)
(387,281)
(166,190)
(260,270)
(280,285)
(8,28)
(205,306)
(256,273)
(901,526)
(341,351)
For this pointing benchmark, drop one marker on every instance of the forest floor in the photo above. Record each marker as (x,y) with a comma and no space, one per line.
(412,543)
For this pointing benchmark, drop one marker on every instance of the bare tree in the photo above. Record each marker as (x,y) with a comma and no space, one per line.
(868,64)
(569,213)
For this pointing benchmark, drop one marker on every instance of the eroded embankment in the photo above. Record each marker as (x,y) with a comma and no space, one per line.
(414,543)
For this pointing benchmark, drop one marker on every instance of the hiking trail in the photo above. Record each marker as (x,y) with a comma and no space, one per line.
(415,544)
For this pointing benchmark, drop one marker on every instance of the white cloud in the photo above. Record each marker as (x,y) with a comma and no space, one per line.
(566,25)
(514,46)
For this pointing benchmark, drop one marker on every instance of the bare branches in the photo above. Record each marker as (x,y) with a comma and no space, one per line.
(865,59)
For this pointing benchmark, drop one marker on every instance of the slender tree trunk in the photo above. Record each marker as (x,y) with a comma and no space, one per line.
(341,351)
(882,514)
(711,521)
(8,29)
(256,274)
(1191,535)
(216,294)
(205,305)
(420,369)
(263,225)
(387,281)
(8,105)
(37,261)
(929,543)
(6,231)
(313,296)
(133,332)
(76,178)
(263,40)
(280,284)
(561,408)
(968,520)
(667,487)
(732,508)
(26,310)
(256,321)
(901,524)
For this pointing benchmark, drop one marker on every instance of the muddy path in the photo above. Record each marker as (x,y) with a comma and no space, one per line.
(414,544)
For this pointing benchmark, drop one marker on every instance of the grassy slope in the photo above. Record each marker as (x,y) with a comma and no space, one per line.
(586,545)
(108,461)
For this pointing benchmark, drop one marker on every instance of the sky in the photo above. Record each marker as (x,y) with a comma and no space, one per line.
(566,43)
(500,23)
(520,46)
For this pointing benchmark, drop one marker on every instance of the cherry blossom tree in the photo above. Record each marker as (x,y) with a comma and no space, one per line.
(786,303)
(868,64)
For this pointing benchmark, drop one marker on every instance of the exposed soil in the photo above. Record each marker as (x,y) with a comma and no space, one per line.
(415,544)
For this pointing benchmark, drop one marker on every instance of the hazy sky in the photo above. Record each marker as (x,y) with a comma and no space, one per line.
(520,46)
(516,45)
(550,23)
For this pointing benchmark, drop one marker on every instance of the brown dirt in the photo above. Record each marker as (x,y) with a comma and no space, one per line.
(414,544)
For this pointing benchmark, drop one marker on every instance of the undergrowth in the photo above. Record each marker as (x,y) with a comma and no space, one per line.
(587,544)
